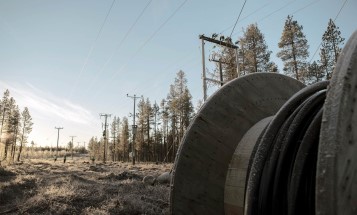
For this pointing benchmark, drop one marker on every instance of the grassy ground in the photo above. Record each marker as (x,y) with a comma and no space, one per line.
(79,187)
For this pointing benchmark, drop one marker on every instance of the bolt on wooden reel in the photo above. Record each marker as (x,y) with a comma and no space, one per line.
(267,144)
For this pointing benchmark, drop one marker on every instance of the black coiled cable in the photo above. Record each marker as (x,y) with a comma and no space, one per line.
(282,173)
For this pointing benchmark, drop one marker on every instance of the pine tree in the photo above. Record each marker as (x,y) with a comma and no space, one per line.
(180,110)
(9,126)
(116,148)
(314,73)
(13,129)
(294,49)
(94,149)
(70,146)
(124,138)
(155,112)
(141,130)
(148,120)
(114,129)
(331,48)
(3,114)
(255,51)
(164,118)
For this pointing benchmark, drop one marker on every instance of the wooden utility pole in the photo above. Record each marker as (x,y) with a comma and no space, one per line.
(72,146)
(58,129)
(219,42)
(204,69)
(134,127)
(105,133)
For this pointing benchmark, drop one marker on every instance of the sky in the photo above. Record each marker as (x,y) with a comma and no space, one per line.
(68,61)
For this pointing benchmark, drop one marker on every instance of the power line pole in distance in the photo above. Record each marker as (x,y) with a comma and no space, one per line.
(58,129)
(134,127)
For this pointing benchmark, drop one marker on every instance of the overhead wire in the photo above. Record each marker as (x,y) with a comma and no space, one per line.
(318,47)
(153,35)
(160,27)
(147,41)
(226,29)
(284,6)
(237,18)
(275,11)
(306,6)
(121,43)
(272,13)
(91,49)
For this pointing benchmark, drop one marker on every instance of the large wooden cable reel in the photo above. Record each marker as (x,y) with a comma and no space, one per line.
(203,159)
(266,144)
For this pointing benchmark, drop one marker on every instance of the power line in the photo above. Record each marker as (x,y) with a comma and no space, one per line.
(245,17)
(272,13)
(318,47)
(147,41)
(160,27)
(238,18)
(306,6)
(121,42)
(152,36)
(275,11)
(91,49)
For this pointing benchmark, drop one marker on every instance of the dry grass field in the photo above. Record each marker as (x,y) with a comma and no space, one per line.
(40,186)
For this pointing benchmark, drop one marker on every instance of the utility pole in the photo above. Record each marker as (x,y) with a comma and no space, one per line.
(204,70)
(105,133)
(219,42)
(58,129)
(134,126)
(72,146)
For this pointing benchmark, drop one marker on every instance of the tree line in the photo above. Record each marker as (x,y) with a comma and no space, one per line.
(15,128)
(160,128)
(254,55)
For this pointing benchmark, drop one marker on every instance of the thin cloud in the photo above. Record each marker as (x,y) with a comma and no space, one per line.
(50,105)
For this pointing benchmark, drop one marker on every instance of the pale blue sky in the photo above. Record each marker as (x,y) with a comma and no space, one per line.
(52,62)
